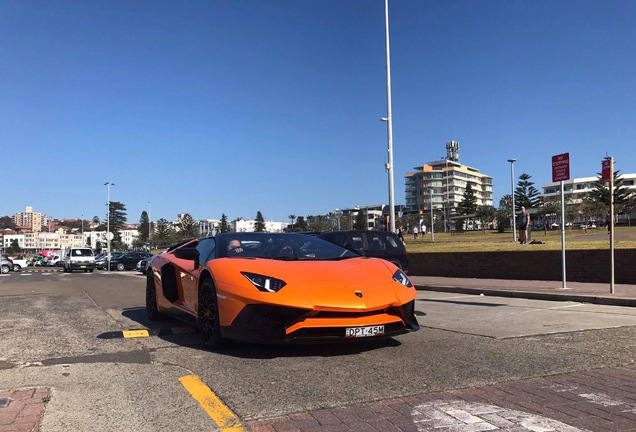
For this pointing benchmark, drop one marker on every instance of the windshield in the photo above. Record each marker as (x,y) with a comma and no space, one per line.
(282,246)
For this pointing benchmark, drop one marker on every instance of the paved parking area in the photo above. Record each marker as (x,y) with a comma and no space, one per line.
(599,400)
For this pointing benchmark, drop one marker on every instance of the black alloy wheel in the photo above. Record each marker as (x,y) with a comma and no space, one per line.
(151,298)
(208,316)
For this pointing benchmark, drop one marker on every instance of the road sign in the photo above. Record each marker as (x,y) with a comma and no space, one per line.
(606,171)
(561,167)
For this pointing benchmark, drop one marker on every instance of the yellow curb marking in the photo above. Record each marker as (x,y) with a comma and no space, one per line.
(135,333)
(222,416)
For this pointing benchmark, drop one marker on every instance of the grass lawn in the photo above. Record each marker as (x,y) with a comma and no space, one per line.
(492,241)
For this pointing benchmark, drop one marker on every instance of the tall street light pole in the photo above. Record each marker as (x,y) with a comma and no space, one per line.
(149,227)
(512,187)
(389,121)
(108,185)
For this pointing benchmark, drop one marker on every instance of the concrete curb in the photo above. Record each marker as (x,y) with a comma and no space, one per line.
(533,295)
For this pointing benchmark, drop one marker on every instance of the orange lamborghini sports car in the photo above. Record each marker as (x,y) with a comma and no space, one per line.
(279,288)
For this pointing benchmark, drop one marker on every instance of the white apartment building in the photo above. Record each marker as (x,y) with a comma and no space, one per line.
(248,226)
(442,183)
(574,189)
(129,236)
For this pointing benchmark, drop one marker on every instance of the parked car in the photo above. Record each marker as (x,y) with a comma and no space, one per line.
(143,264)
(79,259)
(127,260)
(38,260)
(20,262)
(55,261)
(379,244)
(6,264)
(101,259)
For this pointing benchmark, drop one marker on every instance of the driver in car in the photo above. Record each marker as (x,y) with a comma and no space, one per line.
(234,248)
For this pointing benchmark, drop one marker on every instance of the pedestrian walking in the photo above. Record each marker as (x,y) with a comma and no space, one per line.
(415,233)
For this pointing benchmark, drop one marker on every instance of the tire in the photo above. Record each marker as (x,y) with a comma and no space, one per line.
(151,299)
(121,267)
(90,270)
(208,316)
(17,267)
(5,269)
(65,269)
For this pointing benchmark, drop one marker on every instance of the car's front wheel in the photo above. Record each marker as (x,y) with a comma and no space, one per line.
(17,267)
(5,269)
(208,316)
(120,267)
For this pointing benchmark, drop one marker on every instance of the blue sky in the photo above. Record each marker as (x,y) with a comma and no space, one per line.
(239,106)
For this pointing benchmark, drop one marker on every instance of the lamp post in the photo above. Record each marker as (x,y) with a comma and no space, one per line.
(512,187)
(83,242)
(149,228)
(389,120)
(108,185)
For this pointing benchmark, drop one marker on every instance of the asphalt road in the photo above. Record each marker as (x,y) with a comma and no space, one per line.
(55,332)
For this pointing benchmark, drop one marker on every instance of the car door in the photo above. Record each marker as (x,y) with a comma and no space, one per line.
(189,277)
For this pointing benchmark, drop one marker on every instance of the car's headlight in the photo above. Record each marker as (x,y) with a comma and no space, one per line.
(264,283)
(400,277)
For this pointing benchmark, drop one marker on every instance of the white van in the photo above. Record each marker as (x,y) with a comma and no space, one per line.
(79,259)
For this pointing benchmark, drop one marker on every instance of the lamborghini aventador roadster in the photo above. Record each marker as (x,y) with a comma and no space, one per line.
(279,288)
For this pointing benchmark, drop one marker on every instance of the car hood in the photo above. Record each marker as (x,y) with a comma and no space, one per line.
(355,283)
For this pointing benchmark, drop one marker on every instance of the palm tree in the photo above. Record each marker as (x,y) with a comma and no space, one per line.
(292,218)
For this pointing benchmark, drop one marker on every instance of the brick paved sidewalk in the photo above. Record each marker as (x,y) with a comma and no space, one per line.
(600,400)
(22,410)
(624,294)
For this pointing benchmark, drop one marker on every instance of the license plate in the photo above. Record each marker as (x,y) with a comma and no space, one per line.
(359,332)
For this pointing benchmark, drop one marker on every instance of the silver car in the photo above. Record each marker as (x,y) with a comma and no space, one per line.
(6,264)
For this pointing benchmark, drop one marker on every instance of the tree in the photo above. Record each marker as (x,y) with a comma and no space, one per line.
(590,209)
(14,247)
(6,222)
(292,218)
(526,195)
(95,219)
(144,228)
(468,205)
(163,232)
(259,224)
(627,207)
(360,221)
(188,227)
(601,192)
(301,225)
(117,217)
(504,213)
(485,214)
(224,227)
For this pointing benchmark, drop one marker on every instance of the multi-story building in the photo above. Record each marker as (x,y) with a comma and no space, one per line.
(243,225)
(33,220)
(575,189)
(441,184)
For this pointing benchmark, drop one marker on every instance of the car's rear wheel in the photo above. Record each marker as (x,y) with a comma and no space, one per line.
(5,269)
(120,267)
(208,316)
(151,298)
(17,267)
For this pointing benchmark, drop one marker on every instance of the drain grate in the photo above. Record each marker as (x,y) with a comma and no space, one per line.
(4,402)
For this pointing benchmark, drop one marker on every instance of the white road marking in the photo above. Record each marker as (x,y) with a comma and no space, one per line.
(445,416)
(26,274)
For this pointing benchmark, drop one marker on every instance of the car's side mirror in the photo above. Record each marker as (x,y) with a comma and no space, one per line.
(188,254)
